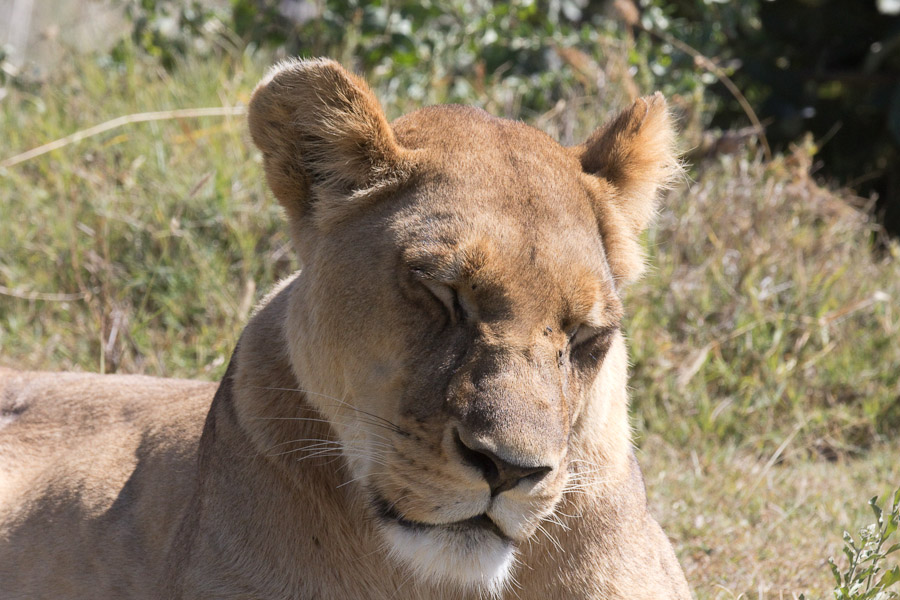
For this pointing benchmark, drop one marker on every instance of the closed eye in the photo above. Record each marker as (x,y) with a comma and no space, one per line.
(582,334)
(589,342)
(448,297)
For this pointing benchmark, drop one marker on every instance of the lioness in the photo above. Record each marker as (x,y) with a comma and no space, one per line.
(435,406)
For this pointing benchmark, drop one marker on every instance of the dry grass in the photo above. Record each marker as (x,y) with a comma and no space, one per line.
(768,314)
(142,249)
(748,528)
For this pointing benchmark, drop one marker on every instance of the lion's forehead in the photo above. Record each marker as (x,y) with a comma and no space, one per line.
(499,209)
(470,145)
(501,178)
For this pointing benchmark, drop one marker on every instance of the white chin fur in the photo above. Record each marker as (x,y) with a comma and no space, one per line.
(476,560)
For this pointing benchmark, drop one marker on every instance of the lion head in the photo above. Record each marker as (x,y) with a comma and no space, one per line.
(457,318)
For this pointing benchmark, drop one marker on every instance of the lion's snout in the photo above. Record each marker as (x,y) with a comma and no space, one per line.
(508,421)
(501,470)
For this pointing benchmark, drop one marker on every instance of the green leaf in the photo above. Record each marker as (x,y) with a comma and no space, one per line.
(851,554)
(891,525)
(876,509)
(834,571)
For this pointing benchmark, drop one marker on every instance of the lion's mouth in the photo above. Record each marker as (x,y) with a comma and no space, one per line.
(387,512)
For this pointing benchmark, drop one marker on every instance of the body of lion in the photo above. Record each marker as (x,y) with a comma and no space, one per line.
(95,474)
(434,407)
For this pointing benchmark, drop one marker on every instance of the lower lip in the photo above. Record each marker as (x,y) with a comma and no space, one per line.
(481,522)
(485,523)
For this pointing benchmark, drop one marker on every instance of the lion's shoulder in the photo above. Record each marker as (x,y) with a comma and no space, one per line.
(50,422)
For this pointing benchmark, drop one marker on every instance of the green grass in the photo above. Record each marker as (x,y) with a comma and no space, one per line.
(764,336)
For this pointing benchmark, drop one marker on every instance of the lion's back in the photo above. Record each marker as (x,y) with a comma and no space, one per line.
(84,461)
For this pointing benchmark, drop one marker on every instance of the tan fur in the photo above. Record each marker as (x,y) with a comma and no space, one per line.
(434,407)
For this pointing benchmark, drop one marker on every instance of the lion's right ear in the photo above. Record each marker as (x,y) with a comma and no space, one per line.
(324,138)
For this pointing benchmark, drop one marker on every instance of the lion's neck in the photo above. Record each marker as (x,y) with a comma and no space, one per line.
(272,409)
(268,480)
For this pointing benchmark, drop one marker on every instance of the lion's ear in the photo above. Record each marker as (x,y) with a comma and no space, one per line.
(324,138)
(627,161)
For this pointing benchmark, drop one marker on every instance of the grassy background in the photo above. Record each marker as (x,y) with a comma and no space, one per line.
(765,344)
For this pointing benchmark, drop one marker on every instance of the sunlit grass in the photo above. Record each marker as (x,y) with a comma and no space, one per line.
(754,529)
(162,231)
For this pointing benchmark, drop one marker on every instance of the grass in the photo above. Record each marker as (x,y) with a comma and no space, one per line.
(764,337)
(162,233)
(759,530)
(769,316)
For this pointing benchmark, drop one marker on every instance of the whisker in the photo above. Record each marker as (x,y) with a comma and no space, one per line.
(361,477)
(577,483)
(321,451)
(297,441)
(552,539)
(568,516)
(329,452)
(330,422)
(405,581)
(340,402)
(591,472)
(557,521)
(321,443)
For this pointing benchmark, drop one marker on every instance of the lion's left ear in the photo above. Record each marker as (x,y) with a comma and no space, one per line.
(626,162)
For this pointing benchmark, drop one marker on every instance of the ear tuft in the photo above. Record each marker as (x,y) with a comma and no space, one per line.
(629,160)
(323,136)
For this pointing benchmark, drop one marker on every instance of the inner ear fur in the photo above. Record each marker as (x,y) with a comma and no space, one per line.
(324,138)
(626,163)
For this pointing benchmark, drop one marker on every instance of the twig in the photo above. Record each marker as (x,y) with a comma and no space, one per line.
(164,115)
(773,459)
(705,62)
(49,297)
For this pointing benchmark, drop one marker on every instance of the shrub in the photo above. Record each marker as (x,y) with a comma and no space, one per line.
(867,577)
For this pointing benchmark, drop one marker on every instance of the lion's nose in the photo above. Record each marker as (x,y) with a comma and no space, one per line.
(500,474)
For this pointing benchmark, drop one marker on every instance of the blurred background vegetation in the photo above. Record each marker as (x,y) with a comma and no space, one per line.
(826,67)
(766,361)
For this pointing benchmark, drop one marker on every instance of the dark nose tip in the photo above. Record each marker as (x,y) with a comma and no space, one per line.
(500,474)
